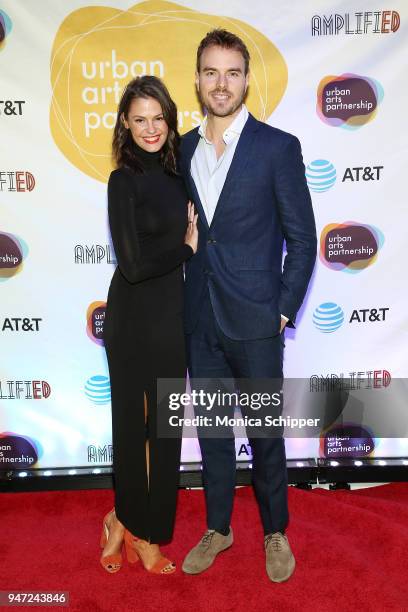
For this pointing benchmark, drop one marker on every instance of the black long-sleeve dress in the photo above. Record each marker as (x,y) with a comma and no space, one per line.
(144,340)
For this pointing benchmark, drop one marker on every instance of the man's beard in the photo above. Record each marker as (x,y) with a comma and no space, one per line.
(228,109)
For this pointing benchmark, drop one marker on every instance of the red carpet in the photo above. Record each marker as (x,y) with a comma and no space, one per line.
(350,547)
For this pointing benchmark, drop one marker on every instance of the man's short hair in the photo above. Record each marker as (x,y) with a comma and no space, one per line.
(225,39)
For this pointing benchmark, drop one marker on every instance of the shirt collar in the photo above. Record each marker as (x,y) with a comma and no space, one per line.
(232,130)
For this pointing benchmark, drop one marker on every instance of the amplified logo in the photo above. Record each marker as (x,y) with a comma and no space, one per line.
(348,100)
(97,51)
(95,317)
(5,28)
(93,254)
(349,246)
(20,180)
(369,379)
(17,324)
(320,175)
(24,389)
(364,22)
(16,451)
(13,251)
(97,389)
(100,454)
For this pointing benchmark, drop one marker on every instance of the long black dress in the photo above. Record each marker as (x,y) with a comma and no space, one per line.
(143,335)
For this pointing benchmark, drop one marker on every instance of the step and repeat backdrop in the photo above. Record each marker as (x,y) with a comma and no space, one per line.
(333,73)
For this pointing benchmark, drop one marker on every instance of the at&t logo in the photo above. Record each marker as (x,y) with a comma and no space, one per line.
(97,389)
(363,173)
(320,175)
(371,315)
(20,324)
(328,317)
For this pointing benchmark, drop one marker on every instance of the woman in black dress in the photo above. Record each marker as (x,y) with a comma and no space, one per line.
(154,230)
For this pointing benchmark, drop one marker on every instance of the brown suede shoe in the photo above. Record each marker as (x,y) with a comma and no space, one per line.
(280,562)
(202,556)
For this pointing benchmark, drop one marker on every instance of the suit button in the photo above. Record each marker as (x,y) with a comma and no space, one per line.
(211,241)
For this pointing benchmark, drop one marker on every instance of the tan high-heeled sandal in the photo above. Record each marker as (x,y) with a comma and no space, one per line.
(111,563)
(162,566)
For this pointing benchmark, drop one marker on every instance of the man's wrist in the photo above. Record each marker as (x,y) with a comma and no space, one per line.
(284,320)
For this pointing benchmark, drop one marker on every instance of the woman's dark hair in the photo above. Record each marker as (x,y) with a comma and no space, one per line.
(124,151)
(226,40)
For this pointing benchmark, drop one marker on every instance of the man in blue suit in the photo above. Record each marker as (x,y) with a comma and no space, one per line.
(247,181)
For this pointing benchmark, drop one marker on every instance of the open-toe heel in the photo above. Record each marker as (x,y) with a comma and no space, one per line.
(111,563)
(162,566)
(131,552)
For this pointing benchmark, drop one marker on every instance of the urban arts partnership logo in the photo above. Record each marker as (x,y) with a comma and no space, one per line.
(17,451)
(349,246)
(13,251)
(97,51)
(320,175)
(364,22)
(97,389)
(5,28)
(95,318)
(347,440)
(348,101)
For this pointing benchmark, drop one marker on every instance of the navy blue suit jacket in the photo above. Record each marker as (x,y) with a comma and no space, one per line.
(265,200)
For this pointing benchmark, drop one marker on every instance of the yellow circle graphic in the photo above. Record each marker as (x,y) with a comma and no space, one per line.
(98,50)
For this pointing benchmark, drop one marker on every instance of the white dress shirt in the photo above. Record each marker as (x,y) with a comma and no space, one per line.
(208,172)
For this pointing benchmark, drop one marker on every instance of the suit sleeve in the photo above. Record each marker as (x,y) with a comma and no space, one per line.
(135,267)
(298,225)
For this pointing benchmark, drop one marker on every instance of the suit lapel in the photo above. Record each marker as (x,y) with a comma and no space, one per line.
(242,154)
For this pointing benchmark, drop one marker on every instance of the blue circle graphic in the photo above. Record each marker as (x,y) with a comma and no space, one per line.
(328,317)
(320,175)
(98,390)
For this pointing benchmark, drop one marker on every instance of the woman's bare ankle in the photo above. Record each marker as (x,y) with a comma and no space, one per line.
(116,524)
